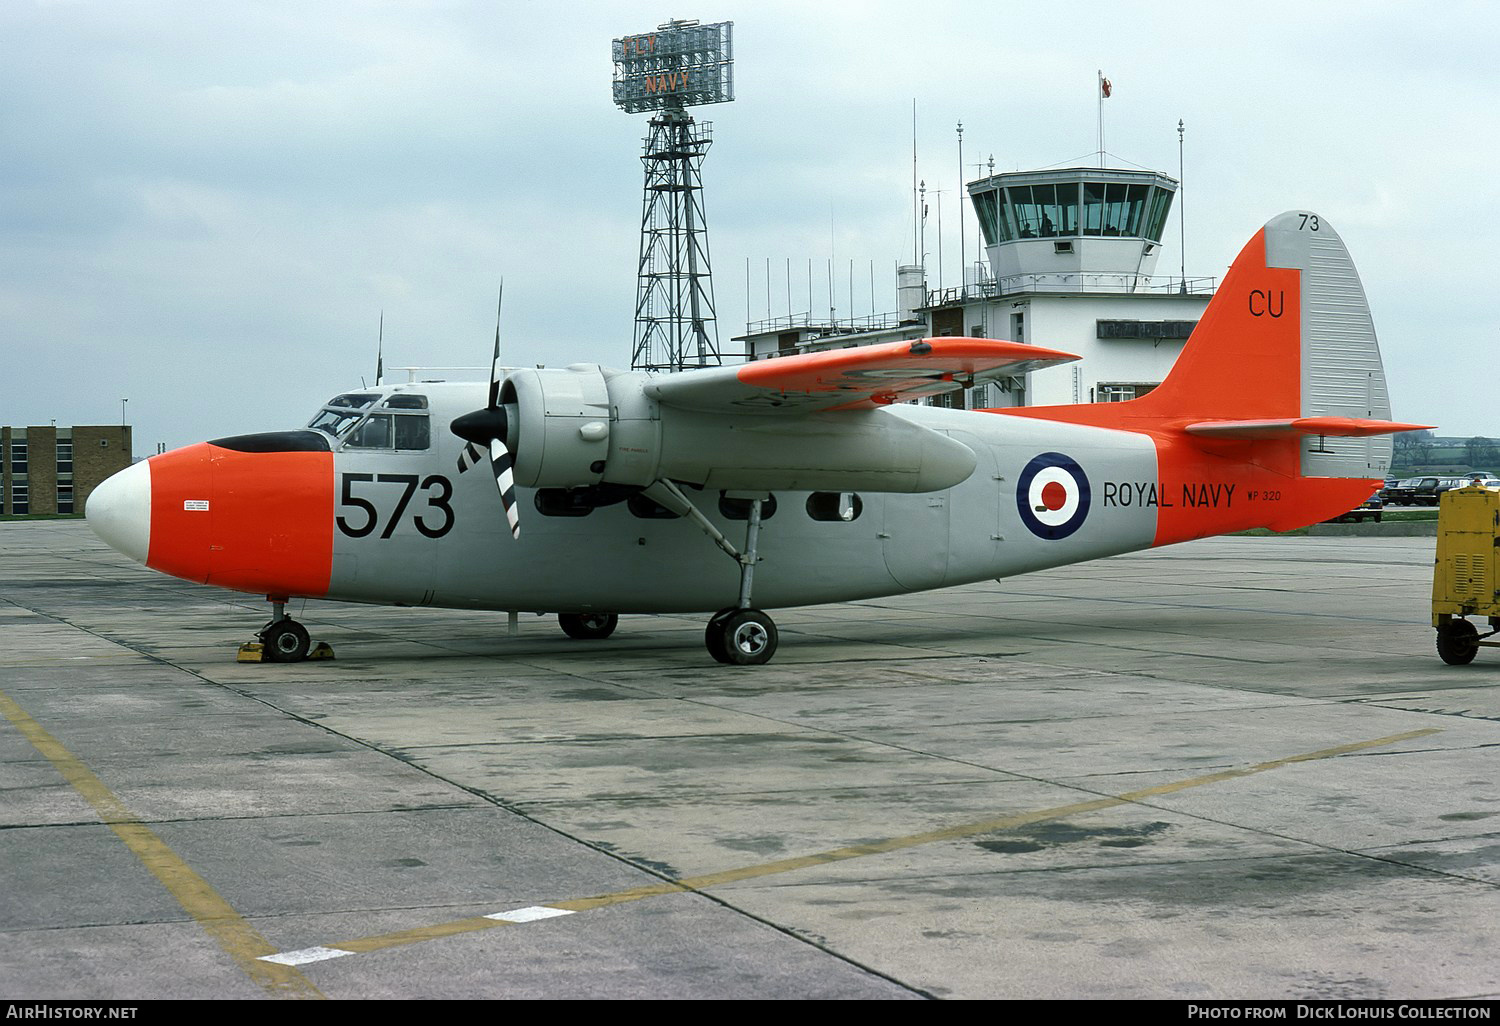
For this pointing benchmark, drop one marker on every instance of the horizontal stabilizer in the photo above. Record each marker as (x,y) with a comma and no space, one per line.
(862,377)
(1348,427)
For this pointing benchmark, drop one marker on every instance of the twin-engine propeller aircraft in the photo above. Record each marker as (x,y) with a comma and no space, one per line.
(783,482)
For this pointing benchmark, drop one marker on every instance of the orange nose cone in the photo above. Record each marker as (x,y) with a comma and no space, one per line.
(253,521)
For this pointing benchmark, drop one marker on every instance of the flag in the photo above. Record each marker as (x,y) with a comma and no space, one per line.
(1104,87)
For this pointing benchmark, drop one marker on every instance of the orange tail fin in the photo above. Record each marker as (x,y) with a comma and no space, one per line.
(1280,383)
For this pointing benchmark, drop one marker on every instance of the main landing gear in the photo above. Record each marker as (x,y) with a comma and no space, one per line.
(588,626)
(282,640)
(741,637)
(737,635)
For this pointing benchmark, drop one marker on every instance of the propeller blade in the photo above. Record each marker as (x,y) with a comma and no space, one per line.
(500,463)
(468,457)
(495,360)
(488,427)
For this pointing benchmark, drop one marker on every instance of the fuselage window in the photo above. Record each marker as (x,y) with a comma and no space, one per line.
(834,507)
(739,509)
(411,433)
(563,502)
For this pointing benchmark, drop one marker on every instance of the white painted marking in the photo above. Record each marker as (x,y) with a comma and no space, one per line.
(195,505)
(530,914)
(306,955)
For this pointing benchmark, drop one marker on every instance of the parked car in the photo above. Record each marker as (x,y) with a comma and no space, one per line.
(1370,509)
(1398,493)
(1429,489)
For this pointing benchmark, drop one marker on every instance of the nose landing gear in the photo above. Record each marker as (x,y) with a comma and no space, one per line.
(282,640)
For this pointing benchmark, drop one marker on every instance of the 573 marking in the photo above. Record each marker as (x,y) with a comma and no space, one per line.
(441,490)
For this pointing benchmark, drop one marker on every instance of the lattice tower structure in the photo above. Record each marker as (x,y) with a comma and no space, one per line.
(675,321)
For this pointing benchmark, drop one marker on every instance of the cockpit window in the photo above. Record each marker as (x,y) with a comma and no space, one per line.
(335,422)
(342,412)
(405,426)
(374,433)
(391,431)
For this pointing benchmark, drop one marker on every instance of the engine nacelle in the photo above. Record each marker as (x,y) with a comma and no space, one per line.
(559,425)
(582,426)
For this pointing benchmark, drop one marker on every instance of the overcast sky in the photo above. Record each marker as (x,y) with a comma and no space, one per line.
(205,206)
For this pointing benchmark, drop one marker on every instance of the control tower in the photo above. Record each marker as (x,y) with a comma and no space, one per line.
(1069,262)
(1075,228)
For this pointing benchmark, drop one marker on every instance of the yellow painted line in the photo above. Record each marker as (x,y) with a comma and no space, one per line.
(197,897)
(699,883)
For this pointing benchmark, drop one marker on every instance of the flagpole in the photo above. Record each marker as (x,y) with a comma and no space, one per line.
(1099,96)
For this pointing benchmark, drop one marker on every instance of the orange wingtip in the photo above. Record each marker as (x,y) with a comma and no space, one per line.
(1352,427)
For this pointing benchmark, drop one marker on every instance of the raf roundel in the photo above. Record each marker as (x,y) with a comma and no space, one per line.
(1052,495)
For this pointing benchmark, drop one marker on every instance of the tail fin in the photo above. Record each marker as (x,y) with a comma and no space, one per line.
(1286,348)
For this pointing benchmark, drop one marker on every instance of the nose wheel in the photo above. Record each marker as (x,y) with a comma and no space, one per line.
(285,641)
(282,640)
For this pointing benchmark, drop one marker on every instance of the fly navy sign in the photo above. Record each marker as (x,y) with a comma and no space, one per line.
(680,64)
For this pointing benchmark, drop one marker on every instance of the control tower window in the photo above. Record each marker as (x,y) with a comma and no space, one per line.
(1050,217)
(1161,202)
(1054,209)
(1093,208)
(1114,208)
(992,219)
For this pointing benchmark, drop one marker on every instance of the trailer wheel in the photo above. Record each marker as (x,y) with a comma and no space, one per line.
(1457,642)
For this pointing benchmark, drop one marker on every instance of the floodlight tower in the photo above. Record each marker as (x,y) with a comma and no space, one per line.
(679,65)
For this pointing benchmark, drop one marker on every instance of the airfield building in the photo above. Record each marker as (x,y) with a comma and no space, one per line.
(53,469)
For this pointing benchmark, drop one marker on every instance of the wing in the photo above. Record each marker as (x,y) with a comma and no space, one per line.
(862,377)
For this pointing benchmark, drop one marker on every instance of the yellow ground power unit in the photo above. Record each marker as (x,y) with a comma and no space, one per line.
(1466,573)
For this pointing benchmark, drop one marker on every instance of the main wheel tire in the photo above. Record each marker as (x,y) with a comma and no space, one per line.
(750,638)
(713,635)
(1457,642)
(285,641)
(588,626)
